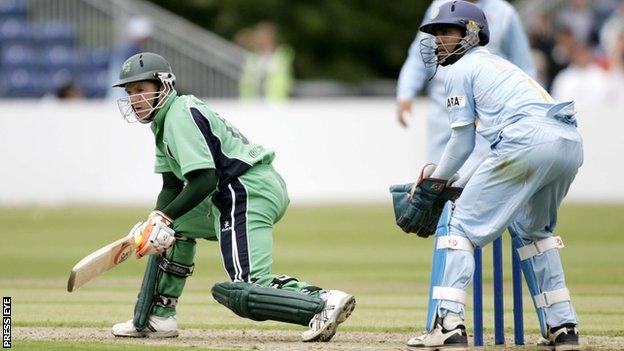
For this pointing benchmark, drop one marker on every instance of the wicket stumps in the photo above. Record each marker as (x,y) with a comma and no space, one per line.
(499,307)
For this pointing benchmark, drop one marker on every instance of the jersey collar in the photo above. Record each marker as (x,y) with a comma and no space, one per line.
(475,49)
(159,119)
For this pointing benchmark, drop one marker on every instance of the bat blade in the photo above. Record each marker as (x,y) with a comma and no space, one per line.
(99,262)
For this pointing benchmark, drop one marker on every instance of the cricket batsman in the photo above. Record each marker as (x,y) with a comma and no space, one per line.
(535,152)
(217,185)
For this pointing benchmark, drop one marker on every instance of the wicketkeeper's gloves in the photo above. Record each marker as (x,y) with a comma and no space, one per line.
(419,210)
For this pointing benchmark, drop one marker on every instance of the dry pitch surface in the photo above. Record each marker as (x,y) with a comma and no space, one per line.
(271,339)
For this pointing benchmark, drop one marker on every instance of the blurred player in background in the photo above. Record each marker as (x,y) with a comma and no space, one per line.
(133,40)
(535,153)
(217,185)
(268,71)
(507,40)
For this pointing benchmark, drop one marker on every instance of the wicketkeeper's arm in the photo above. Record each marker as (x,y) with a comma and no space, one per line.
(465,176)
(456,152)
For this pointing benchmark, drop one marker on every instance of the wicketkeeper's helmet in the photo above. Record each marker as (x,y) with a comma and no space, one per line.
(461,14)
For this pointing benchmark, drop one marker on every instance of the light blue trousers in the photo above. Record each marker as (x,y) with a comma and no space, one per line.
(520,185)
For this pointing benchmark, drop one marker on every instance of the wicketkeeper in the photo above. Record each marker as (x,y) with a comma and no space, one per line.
(535,152)
(217,185)
(507,39)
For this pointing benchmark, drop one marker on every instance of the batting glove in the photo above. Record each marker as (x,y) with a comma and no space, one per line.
(154,235)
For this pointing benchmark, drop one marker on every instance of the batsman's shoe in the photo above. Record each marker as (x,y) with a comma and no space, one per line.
(157,327)
(440,338)
(562,338)
(338,307)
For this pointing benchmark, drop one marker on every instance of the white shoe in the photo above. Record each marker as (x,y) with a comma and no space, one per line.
(545,344)
(338,307)
(439,338)
(157,327)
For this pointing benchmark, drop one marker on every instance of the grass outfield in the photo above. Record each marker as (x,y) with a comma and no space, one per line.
(355,248)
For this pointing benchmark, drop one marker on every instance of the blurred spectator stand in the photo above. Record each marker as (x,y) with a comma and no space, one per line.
(40,58)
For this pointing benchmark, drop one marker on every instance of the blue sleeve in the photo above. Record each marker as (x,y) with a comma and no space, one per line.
(460,102)
(516,46)
(413,74)
(456,152)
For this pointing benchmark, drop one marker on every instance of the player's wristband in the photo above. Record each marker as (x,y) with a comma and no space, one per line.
(160,217)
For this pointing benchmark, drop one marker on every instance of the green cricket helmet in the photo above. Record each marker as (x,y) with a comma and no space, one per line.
(142,66)
(145,66)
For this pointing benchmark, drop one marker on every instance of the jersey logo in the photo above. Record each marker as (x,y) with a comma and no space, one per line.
(226,227)
(454,102)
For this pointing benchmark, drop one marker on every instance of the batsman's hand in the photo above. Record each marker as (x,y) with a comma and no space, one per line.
(404,109)
(154,235)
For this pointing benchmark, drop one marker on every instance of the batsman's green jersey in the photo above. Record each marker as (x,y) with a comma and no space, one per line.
(250,196)
(190,136)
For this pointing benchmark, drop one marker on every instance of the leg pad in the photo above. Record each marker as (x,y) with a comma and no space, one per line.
(261,303)
(145,299)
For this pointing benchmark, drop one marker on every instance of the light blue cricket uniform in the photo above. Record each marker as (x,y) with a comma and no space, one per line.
(535,154)
(507,39)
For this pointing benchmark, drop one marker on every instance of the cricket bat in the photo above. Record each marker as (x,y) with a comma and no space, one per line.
(100,261)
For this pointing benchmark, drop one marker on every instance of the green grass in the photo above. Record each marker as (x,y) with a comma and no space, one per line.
(353,248)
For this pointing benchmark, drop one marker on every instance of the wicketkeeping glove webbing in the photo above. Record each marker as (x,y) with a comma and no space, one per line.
(416,217)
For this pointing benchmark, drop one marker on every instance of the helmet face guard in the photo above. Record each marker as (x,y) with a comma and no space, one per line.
(430,49)
(460,14)
(145,66)
(156,100)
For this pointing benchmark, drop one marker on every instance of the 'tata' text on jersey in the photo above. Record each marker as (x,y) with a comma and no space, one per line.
(454,102)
